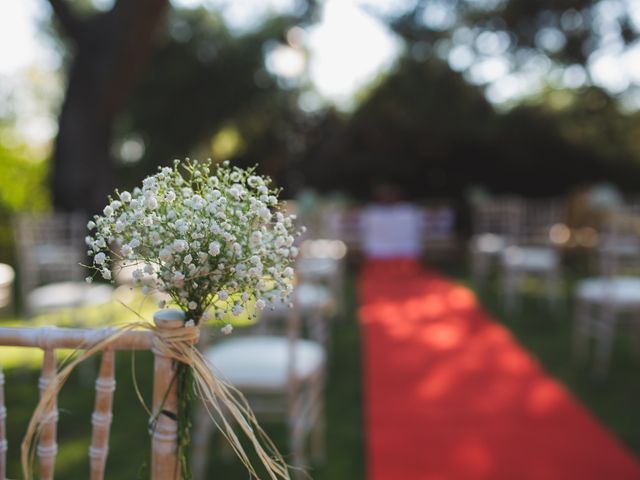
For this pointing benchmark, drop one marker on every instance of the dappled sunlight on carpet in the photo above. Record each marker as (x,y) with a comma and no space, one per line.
(449,394)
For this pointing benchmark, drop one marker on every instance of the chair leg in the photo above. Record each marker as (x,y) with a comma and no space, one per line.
(296,440)
(479,268)
(605,335)
(318,438)
(202,432)
(511,283)
(581,332)
(635,333)
(554,290)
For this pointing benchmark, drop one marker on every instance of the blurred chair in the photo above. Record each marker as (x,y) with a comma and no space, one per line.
(605,301)
(495,222)
(50,248)
(7,276)
(343,223)
(49,339)
(438,229)
(282,375)
(321,262)
(532,252)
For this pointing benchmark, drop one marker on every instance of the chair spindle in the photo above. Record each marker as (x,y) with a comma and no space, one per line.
(47,446)
(164,459)
(3,432)
(102,416)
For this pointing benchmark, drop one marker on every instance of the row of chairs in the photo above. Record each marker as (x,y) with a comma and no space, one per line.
(280,364)
(432,227)
(522,239)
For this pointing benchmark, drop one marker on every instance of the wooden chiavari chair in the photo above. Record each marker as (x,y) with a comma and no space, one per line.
(495,222)
(531,251)
(282,375)
(50,339)
(50,250)
(612,298)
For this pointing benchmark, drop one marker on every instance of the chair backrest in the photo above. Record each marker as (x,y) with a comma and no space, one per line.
(438,222)
(539,217)
(164,436)
(501,216)
(50,248)
(619,244)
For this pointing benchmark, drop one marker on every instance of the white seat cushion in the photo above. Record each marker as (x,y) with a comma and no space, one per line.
(619,291)
(531,259)
(317,268)
(313,297)
(68,294)
(261,362)
(488,243)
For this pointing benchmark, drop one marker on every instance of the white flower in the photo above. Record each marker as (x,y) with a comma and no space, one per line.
(89,279)
(192,305)
(206,316)
(91,225)
(126,250)
(151,203)
(287,272)
(99,259)
(237,310)
(189,323)
(260,304)
(125,197)
(214,248)
(137,274)
(265,214)
(197,202)
(180,245)
(223,295)
(165,254)
(181,226)
(227,329)
(108,211)
(187,259)
(106,273)
(178,279)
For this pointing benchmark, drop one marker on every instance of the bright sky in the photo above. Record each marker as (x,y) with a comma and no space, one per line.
(347,49)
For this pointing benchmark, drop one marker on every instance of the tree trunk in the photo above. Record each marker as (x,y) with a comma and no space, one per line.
(111,49)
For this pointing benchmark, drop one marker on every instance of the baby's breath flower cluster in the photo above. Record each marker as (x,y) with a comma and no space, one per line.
(212,238)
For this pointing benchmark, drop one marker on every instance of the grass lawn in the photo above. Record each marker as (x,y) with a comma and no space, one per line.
(614,402)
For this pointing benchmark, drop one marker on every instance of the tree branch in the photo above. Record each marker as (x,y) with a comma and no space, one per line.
(70,23)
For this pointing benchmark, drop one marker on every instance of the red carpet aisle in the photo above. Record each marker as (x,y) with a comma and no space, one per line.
(450,395)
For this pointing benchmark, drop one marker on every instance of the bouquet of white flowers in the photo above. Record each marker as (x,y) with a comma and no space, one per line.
(212,240)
